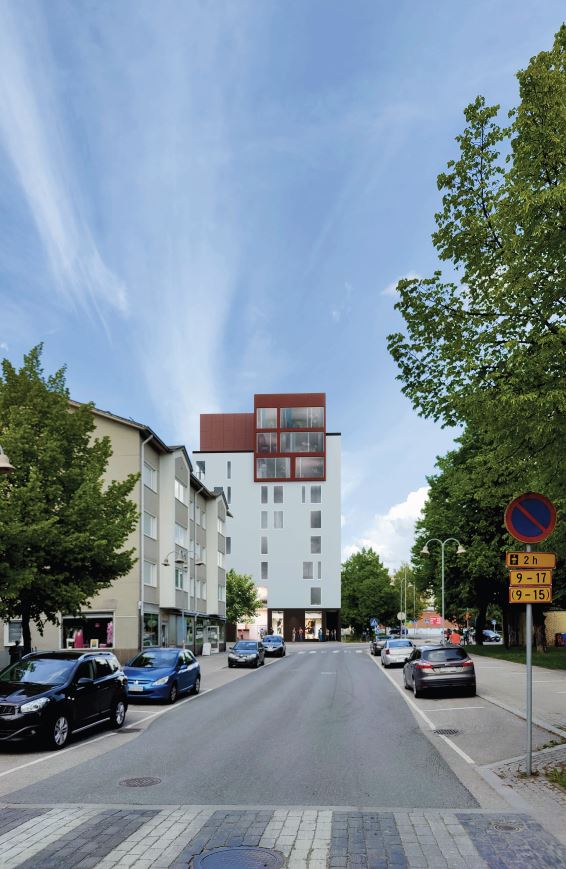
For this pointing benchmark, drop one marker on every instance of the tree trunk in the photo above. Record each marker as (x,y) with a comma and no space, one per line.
(480,622)
(539,629)
(26,633)
(511,625)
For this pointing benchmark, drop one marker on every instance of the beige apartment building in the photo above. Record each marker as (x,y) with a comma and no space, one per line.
(176,592)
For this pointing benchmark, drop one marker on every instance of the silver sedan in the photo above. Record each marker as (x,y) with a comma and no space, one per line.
(396,652)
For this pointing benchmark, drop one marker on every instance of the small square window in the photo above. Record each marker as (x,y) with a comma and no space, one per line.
(266,417)
(316,494)
(316,519)
(278,519)
(316,596)
(307,570)
(264,494)
(278,494)
(265,570)
(264,518)
(264,545)
(315,545)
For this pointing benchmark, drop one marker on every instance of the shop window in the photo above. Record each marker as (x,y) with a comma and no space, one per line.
(88,632)
(189,630)
(309,468)
(266,417)
(316,519)
(302,417)
(277,622)
(278,494)
(316,596)
(264,515)
(315,545)
(150,629)
(266,442)
(313,624)
(264,494)
(316,493)
(265,570)
(278,519)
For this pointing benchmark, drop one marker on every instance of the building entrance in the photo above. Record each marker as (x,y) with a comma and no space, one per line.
(313,625)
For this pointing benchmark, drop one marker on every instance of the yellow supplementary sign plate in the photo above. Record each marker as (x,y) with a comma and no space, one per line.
(530,577)
(530,595)
(530,559)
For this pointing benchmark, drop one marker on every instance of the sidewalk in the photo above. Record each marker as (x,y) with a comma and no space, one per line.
(177,837)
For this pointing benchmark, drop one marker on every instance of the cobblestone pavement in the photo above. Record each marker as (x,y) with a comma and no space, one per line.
(537,791)
(98,837)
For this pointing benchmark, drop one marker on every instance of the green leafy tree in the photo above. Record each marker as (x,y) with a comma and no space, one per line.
(367,591)
(62,528)
(242,602)
(486,344)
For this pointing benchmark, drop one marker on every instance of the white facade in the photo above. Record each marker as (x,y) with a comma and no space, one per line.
(290,547)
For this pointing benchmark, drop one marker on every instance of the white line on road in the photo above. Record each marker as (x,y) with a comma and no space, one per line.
(454,708)
(420,712)
(328,673)
(336,652)
(312,653)
(359,652)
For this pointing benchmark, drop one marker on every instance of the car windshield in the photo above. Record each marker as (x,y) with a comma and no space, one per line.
(39,671)
(155,659)
(245,647)
(396,644)
(454,654)
(275,640)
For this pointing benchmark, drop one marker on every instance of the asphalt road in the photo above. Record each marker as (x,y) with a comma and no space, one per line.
(318,728)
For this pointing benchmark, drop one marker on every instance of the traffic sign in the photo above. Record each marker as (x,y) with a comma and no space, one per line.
(530,518)
(401,616)
(530,577)
(530,594)
(373,622)
(530,559)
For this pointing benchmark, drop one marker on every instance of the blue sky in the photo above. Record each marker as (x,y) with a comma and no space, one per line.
(203,200)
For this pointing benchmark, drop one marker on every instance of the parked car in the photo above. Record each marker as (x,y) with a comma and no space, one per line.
(54,694)
(162,674)
(377,643)
(396,652)
(246,653)
(491,637)
(439,666)
(274,645)
(397,632)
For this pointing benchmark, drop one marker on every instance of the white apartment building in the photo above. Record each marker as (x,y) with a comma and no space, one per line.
(280,471)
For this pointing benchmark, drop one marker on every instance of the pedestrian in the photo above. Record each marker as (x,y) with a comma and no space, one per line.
(320,635)
(293,635)
(15,652)
(300,635)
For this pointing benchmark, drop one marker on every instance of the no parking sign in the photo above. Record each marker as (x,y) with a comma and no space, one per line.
(530,518)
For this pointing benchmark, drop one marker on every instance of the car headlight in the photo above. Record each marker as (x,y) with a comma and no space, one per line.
(162,681)
(34,705)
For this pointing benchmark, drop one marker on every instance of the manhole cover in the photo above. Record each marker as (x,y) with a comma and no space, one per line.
(507,826)
(143,782)
(239,858)
(447,731)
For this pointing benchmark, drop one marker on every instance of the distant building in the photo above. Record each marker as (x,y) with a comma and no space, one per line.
(280,470)
(176,591)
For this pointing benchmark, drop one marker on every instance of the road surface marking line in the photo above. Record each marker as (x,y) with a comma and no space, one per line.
(414,706)
(454,708)
(548,680)
(312,653)
(328,673)
(359,651)
(336,652)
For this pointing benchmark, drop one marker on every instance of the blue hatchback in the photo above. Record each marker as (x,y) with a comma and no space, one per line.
(162,674)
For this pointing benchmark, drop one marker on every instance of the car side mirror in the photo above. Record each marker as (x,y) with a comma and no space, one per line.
(84,680)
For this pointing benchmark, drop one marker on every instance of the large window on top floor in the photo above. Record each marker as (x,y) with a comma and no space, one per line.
(302,417)
(266,417)
(273,469)
(266,442)
(309,468)
(302,442)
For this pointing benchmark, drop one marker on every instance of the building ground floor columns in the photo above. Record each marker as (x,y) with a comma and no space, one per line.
(314,624)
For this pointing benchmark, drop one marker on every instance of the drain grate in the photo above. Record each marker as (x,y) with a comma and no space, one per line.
(239,858)
(142,782)
(507,826)
(446,731)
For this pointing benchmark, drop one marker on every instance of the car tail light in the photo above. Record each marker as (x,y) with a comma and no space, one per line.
(423,665)
(468,664)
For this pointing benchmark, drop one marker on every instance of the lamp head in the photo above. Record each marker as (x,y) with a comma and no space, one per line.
(165,562)
(6,467)
(181,562)
(460,550)
(425,550)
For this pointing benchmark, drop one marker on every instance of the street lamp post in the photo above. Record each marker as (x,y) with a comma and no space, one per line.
(459,551)
(6,467)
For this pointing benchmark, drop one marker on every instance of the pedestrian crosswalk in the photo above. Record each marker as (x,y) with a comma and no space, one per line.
(334,652)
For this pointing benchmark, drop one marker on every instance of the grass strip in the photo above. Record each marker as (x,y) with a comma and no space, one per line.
(553,659)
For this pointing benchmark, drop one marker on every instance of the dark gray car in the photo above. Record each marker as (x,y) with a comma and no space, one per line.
(246,653)
(439,667)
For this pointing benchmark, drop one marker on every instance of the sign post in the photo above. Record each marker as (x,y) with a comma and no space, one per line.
(401,615)
(530,518)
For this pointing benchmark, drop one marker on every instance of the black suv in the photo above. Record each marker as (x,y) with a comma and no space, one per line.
(52,694)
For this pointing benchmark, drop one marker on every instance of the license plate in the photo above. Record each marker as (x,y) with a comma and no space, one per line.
(136,689)
(447,670)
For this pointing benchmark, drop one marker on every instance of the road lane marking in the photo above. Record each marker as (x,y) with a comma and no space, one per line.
(336,652)
(359,651)
(425,717)
(328,673)
(312,653)
(454,708)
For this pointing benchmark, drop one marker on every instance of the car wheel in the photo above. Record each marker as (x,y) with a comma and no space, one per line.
(230,664)
(58,731)
(405,683)
(417,691)
(196,687)
(118,714)
(173,693)
(257,662)
(262,661)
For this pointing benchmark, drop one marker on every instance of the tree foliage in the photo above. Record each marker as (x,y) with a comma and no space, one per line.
(242,602)
(62,529)
(367,591)
(486,344)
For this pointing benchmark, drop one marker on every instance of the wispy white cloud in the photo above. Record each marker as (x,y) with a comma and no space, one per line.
(391,289)
(342,306)
(34,139)
(391,534)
